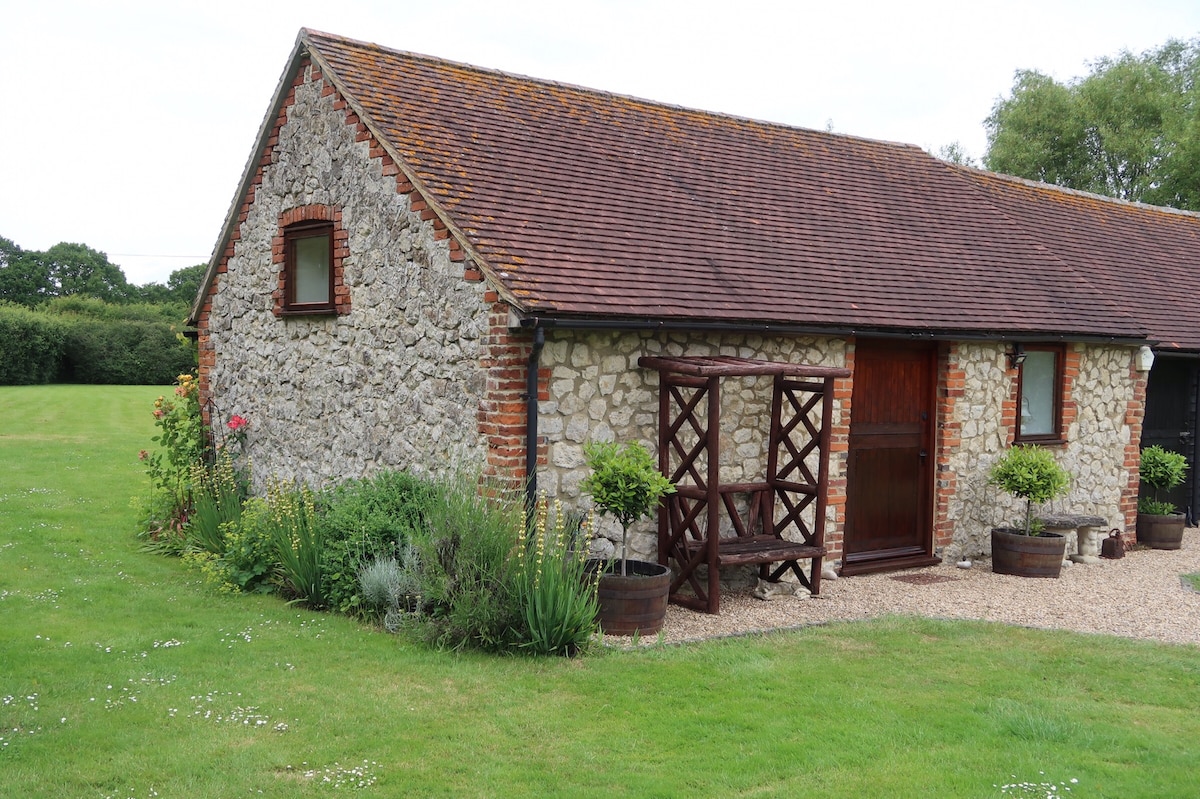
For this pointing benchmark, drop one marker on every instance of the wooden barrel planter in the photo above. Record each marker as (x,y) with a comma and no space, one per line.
(1027,555)
(634,604)
(1160,532)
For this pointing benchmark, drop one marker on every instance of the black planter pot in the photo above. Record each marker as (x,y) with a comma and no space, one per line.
(1027,555)
(1160,532)
(633,604)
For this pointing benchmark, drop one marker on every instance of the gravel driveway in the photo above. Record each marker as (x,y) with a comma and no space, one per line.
(1138,596)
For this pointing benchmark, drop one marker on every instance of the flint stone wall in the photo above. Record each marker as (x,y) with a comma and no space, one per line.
(396,382)
(1094,453)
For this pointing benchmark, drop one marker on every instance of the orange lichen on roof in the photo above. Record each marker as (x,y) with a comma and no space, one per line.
(617,207)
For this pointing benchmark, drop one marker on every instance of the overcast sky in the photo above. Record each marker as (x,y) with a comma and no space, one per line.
(127,125)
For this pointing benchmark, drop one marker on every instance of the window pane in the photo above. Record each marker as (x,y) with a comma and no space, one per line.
(1037,394)
(312,269)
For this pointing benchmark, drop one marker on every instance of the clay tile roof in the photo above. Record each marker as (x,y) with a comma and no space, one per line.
(590,205)
(1146,258)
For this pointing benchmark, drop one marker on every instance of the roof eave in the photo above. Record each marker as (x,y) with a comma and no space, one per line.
(535,319)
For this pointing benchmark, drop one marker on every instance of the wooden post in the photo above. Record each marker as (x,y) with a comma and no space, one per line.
(712,491)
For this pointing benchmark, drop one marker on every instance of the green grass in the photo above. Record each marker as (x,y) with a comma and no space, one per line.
(144,683)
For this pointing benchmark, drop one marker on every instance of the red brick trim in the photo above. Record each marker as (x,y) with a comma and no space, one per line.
(951,387)
(1068,409)
(312,213)
(839,447)
(1135,413)
(502,413)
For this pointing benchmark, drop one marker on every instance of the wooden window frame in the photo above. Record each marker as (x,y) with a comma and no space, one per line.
(292,234)
(1056,435)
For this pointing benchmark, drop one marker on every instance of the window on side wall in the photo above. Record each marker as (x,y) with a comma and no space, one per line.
(1039,391)
(308,264)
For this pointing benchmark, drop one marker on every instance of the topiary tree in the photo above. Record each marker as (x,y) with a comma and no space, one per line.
(625,483)
(1162,470)
(1029,473)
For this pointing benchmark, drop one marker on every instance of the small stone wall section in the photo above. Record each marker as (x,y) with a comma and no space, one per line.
(396,381)
(596,391)
(1102,409)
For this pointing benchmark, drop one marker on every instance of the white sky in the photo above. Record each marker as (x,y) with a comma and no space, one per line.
(127,123)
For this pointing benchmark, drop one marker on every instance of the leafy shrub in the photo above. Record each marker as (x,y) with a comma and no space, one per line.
(248,561)
(123,352)
(467,588)
(379,584)
(557,597)
(292,526)
(31,346)
(217,495)
(389,585)
(1162,470)
(625,483)
(364,520)
(182,445)
(1030,473)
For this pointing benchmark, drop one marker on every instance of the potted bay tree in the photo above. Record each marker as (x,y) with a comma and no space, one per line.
(1159,526)
(625,484)
(1030,473)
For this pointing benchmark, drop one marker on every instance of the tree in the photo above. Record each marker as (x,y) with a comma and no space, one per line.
(1130,129)
(23,278)
(181,287)
(185,283)
(78,269)
(954,153)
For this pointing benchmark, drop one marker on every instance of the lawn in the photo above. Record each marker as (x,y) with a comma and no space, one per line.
(121,675)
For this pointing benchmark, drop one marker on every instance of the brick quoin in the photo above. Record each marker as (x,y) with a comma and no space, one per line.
(952,380)
(1135,413)
(839,446)
(502,413)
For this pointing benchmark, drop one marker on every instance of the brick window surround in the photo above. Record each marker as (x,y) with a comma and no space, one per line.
(310,218)
(1053,391)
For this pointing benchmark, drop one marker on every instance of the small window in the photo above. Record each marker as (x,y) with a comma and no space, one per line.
(1040,379)
(308,280)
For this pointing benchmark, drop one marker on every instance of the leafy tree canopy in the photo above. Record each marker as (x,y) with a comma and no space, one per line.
(24,279)
(181,286)
(78,269)
(31,278)
(1129,129)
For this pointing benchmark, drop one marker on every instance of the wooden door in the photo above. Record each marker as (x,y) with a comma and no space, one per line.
(889,479)
(1171,417)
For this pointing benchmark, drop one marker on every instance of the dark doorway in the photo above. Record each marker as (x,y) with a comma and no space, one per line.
(889,477)
(1171,417)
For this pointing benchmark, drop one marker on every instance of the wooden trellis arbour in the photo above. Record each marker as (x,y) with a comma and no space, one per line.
(796,475)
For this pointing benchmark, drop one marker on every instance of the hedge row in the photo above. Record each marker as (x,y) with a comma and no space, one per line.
(37,347)
(31,346)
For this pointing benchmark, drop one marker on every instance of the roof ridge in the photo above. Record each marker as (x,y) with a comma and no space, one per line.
(605,93)
(1044,186)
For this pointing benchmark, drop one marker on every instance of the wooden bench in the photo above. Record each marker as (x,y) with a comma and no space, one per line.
(785,513)
(756,542)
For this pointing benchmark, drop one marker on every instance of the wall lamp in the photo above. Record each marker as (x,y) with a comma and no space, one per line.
(1016,355)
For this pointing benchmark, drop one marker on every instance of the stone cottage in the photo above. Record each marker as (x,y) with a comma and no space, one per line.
(429,265)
